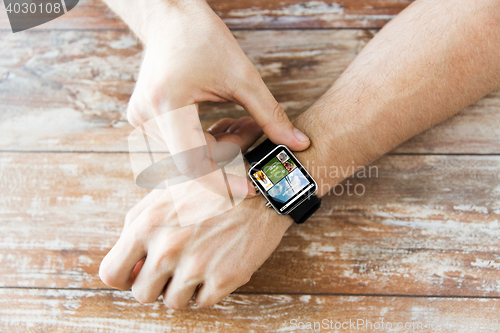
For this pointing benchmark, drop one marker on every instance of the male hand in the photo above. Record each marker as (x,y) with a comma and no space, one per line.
(191,56)
(156,256)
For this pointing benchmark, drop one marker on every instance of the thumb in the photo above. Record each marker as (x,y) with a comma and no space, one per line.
(258,101)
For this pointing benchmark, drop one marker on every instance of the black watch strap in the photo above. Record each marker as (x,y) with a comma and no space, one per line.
(303,211)
(259,152)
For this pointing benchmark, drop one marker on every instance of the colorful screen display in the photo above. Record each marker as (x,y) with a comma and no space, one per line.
(283,179)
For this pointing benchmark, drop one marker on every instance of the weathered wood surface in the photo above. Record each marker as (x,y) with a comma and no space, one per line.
(68,90)
(244,14)
(307,14)
(115,311)
(427,225)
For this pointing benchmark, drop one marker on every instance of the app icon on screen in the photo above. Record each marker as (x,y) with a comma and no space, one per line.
(282,156)
(263,179)
(275,170)
(288,186)
(289,165)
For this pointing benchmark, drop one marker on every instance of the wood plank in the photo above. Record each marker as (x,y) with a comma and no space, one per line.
(263,14)
(77,85)
(113,311)
(427,225)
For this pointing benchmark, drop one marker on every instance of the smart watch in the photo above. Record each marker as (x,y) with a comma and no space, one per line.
(283,181)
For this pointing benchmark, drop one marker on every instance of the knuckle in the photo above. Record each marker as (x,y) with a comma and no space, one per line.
(224,120)
(135,240)
(104,275)
(245,118)
(250,73)
(152,216)
(278,114)
(133,119)
(155,96)
(176,300)
(205,301)
(134,114)
(168,93)
(172,302)
(109,278)
(145,102)
(142,296)
(129,218)
(238,85)
(193,270)
(209,297)
(152,219)
(165,262)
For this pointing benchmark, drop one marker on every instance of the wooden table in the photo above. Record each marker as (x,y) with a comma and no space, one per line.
(421,245)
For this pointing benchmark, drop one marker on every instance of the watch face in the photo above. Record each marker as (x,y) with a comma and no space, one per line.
(283,180)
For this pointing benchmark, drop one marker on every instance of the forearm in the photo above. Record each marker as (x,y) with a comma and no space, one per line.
(428,63)
(146,17)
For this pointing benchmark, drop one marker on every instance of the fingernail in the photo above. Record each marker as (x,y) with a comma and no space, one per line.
(299,135)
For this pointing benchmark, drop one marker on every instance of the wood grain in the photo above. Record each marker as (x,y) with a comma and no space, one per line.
(114,311)
(68,90)
(426,225)
(242,14)
(307,14)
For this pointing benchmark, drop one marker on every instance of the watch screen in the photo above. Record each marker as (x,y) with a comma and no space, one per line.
(282,179)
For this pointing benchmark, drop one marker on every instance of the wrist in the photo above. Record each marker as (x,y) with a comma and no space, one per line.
(167,17)
(281,222)
(334,153)
(258,203)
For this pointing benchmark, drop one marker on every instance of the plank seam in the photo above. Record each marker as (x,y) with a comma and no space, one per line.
(232,29)
(276,293)
(146,152)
